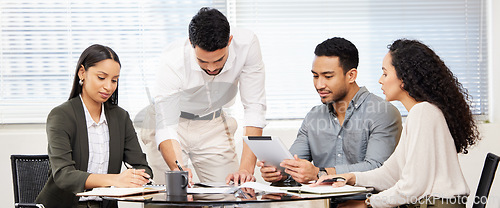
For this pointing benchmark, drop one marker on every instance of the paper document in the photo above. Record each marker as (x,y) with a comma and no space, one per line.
(322,189)
(139,197)
(227,190)
(213,184)
(263,187)
(112,191)
(327,189)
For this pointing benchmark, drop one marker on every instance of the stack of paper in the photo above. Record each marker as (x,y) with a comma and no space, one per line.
(228,190)
(263,187)
(327,189)
(116,192)
(213,184)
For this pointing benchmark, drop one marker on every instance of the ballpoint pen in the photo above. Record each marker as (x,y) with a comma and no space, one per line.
(240,192)
(178,165)
(128,166)
(331,180)
(180,168)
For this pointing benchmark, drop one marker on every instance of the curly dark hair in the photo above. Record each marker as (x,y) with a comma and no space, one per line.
(426,78)
(342,48)
(209,29)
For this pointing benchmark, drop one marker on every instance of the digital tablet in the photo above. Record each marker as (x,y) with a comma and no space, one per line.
(268,149)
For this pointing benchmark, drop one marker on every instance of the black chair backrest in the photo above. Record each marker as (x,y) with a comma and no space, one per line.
(29,174)
(487,176)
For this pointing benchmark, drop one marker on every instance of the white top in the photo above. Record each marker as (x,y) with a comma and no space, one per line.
(425,163)
(98,136)
(182,85)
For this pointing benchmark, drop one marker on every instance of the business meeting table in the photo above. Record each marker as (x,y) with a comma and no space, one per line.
(244,197)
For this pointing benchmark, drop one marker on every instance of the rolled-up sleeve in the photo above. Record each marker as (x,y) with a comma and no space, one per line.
(384,133)
(252,87)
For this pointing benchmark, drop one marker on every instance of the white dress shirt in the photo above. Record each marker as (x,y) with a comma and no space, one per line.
(425,163)
(182,85)
(98,136)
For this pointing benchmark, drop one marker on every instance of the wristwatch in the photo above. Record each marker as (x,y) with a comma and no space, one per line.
(367,201)
(322,172)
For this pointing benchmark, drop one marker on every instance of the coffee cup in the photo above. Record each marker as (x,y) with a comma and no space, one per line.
(176,183)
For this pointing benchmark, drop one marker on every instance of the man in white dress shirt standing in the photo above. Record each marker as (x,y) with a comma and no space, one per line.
(197,78)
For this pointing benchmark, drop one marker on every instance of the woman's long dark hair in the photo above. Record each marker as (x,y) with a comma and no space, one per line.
(426,78)
(90,56)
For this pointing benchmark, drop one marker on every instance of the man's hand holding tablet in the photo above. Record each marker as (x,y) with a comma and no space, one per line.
(268,149)
(271,152)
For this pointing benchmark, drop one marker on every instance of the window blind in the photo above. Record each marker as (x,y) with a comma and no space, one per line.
(42,40)
(289,30)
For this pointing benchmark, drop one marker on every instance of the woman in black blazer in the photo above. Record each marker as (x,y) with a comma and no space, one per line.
(93,102)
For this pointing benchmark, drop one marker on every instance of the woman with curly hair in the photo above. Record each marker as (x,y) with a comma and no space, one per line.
(424,168)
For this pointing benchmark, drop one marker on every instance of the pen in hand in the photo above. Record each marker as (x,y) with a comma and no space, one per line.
(128,166)
(335,179)
(180,168)
(178,165)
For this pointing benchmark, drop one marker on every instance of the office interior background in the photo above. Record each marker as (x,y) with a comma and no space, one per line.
(40,42)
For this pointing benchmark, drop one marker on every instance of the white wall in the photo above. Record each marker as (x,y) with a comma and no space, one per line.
(31,139)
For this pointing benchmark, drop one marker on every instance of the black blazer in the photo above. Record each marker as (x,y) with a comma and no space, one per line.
(68,150)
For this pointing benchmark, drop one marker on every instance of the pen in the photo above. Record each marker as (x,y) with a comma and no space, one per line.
(242,193)
(178,165)
(128,166)
(331,180)
(180,168)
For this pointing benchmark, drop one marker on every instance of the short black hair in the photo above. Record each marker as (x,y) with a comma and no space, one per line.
(342,48)
(209,29)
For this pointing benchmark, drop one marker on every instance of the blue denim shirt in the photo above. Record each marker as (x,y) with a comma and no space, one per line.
(368,136)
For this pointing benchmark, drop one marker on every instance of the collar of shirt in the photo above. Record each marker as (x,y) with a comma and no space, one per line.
(356,101)
(88,117)
(360,97)
(228,65)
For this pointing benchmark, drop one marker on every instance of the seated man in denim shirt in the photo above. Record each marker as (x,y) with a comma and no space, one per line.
(354,130)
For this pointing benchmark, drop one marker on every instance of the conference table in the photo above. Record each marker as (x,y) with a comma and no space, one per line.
(245,197)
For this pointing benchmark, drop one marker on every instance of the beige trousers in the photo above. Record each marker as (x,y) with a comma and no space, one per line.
(209,147)
(205,142)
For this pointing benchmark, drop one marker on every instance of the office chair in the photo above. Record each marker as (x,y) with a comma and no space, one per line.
(487,176)
(29,174)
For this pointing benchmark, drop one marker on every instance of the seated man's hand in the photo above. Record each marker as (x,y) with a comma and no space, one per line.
(301,170)
(269,173)
(240,177)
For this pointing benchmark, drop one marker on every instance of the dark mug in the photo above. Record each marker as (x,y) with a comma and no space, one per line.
(175,198)
(176,183)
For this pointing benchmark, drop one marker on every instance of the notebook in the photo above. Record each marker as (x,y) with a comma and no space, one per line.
(117,192)
(321,189)
(327,189)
